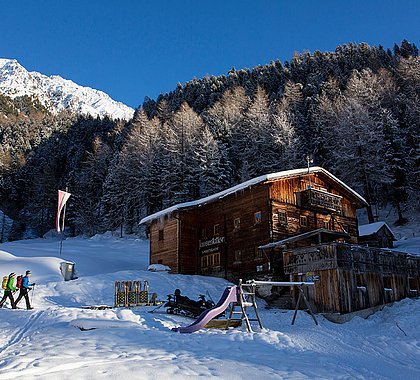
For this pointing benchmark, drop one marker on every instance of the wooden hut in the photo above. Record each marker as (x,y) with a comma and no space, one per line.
(376,235)
(297,225)
(219,235)
(349,277)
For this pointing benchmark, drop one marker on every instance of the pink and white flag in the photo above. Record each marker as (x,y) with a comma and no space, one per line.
(63,196)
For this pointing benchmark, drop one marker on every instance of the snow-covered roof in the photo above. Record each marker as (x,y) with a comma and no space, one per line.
(247,184)
(369,229)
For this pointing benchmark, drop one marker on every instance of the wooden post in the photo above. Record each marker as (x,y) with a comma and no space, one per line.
(302,295)
(296,308)
(116,289)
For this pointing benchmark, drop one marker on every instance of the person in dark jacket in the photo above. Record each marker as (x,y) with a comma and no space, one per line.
(24,289)
(8,292)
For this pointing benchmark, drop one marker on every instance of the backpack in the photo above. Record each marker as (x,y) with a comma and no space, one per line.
(4,282)
(19,281)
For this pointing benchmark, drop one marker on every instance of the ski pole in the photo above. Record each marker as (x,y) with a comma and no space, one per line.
(207,292)
(33,291)
(156,308)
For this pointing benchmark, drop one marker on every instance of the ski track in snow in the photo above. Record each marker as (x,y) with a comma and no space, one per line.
(146,356)
(20,332)
(45,343)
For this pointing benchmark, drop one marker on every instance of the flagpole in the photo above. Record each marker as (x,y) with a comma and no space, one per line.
(62,230)
(62,225)
(61,242)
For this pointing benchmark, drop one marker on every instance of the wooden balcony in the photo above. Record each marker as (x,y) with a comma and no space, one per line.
(314,199)
(350,257)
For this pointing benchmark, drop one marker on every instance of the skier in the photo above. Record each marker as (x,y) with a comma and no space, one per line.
(24,289)
(8,292)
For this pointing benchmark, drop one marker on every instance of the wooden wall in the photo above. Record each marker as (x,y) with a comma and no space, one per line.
(164,251)
(324,297)
(284,191)
(210,216)
(283,196)
(353,278)
(189,262)
(245,238)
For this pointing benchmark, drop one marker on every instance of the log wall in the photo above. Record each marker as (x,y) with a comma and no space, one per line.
(284,200)
(188,238)
(241,233)
(353,278)
(164,251)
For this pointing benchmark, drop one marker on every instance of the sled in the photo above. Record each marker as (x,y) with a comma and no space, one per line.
(131,294)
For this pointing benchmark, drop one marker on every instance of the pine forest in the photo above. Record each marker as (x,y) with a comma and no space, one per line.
(355,112)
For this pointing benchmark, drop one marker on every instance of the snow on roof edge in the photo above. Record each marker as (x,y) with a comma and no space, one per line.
(245,185)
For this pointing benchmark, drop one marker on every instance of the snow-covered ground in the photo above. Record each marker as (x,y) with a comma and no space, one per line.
(134,343)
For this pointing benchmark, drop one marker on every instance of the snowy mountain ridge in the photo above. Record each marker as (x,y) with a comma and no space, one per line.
(58,94)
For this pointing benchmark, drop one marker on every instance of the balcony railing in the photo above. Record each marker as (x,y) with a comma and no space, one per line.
(352,257)
(318,199)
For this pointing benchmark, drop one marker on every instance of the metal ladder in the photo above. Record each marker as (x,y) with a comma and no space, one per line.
(246,298)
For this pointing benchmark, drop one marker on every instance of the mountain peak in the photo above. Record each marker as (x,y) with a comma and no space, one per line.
(58,94)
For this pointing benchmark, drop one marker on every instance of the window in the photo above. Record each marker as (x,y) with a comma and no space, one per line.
(204,262)
(238,255)
(216,229)
(257,217)
(203,233)
(258,254)
(326,225)
(412,287)
(282,216)
(216,259)
(303,221)
(259,268)
(160,235)
(387,283)
(236,223)
(210,261)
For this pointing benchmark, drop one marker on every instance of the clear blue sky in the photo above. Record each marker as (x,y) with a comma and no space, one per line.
(132,49)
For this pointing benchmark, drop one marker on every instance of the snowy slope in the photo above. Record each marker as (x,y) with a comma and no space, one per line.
(58,94)
(134,343)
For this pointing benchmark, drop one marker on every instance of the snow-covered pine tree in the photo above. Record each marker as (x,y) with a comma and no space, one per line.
(225,121)
(182,175)
(88,189)
(293,101)
(260,149)
(128,181)
(286,139)
(356,136)
(214,173)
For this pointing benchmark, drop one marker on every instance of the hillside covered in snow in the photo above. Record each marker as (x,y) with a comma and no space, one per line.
(47,342)
(57,94)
